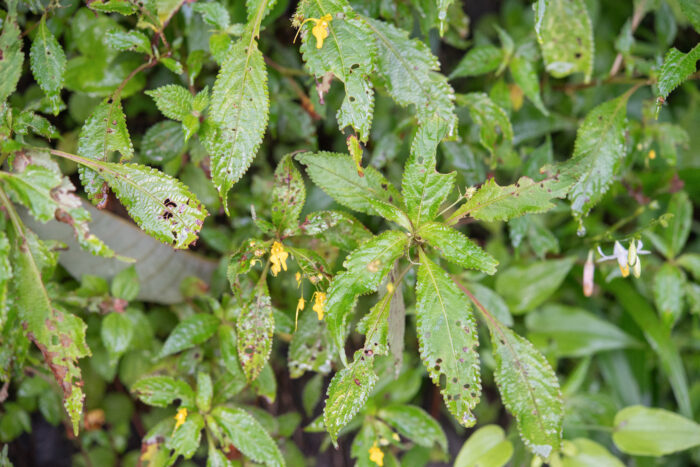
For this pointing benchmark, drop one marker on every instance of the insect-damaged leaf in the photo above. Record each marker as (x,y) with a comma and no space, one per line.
(348,392)
(565,34)
(447,338)
(348,53)
(48,62)
(288,196)
(238,115)
(255,327)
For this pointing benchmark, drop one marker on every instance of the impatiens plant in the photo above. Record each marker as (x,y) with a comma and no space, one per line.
(398,217)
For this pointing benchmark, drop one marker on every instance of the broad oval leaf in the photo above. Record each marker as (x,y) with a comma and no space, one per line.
(161,391)
(116,332)
(191,331)
(247,435)
(588,453)
(487,446)
(255,327)
(415,424)
(455,247)
(174,101)
(641,431)
(536,283)
(448,340)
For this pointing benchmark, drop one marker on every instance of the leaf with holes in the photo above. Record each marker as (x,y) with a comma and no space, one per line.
(365,268)
(348,392)
(598,152)
(423,187)
(255,326)
(529,389)
(495,127)
(455,247)
(336,174)
(311,347)
(103,133)
(348,53)
(11,57)
(288,196)
(447,338)
(237,115)
(48,62)
(410,71)
(565,34)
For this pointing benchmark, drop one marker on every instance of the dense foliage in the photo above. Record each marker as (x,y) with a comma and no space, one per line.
(420,231)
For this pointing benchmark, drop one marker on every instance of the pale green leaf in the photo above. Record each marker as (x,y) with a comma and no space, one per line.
(536,282)
(668,288)
(525,76)
(479,60)
(447,337)
(574,332)
(677,67)
(48,62)
(32,188)
(410,72)
(116,332)
(238,115)
(492,302)
(247,435)
(486,447)
(134,41)
(348,392)
(311,348)
(422,186)
(455,247)
(123,7)
(495,127)
(191,331)
(161,391)
(126,284)
(642,431)
(288,196)
(173,100)
(337,175)
(493,202)
(529,389)
(565,34)
(254,327)
(205,391)
(590,454)
(415,424)
(691,263)
(12,57)
(598,153)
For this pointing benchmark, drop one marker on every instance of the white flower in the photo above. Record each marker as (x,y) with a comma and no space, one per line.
(626,258)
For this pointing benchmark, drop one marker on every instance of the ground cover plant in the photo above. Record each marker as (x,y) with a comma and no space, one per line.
(418,232)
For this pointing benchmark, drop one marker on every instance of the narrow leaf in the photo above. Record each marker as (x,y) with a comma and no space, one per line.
(11,57)
(255,327)
(677,67)
(191,331)
(479,60)
(311,348)
(288,196)
(525,76)
(48,62)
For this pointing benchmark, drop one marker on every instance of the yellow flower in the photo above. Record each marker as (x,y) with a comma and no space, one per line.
(278,257)
(180,417)
(320,29)
(390,287)
(297,276)
(652,154)
(319,304)
(300,306)
(376,455)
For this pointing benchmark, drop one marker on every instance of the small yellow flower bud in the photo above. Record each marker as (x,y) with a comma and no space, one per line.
(180,417)
(390,287)
(376,455)
(652,154)
(278,258)
(319,304)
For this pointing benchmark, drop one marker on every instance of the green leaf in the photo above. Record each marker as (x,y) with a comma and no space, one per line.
(565,34)
(525,76)
(255,327)
(134,41)
(161,391)
(536,283)
(160,204)
(422,186)
(410,72)
(336,175)
(288,196)
(675,235)
(493,202)
(116,332)
(455,247)
(213,13)
(238,113)
(529,389)
(415,424)
(365,267)
(229,357)
(495,127)
(205,391)
(691,10)
(337,228)
(348,393)
(123,7)
(247,435)
(48,62)
(173,100)
(125,284)
(191,331)
(348,53)
(11,59)
(589,453)
(598,152)
(32,187)
(641,431)
(691,263)
(480,60)
(677,67)
(574,332)
(487,446)
(493,302)
(185,439)
(311,348)
(163,142)
(103,133)
(669,283)
(447,337)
